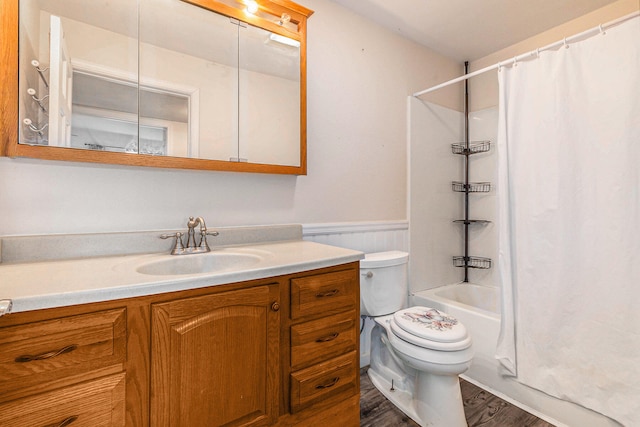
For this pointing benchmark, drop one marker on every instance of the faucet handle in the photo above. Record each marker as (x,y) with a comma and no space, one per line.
(170,235)
(177,246)
(204,246)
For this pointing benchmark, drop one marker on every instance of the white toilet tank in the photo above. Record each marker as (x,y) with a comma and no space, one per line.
(384,288)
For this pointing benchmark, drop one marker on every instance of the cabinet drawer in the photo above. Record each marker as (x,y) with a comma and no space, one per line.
(324,293)
(37,353)
(98,403)
(335,379)
(322,339)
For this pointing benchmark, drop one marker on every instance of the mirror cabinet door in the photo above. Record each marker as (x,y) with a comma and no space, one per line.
(170,83)
(269,98)
(191,54)
(78,80)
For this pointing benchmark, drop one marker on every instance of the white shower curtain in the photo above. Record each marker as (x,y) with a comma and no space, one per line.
(569,196)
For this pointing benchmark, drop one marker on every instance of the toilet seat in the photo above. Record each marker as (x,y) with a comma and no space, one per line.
(430,328)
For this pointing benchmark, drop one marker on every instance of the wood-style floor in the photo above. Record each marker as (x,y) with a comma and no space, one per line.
(481,408)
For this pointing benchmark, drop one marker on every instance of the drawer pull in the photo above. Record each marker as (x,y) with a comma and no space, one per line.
(328,338)
(330,293)
(64,423)
(48,355)
(329,384)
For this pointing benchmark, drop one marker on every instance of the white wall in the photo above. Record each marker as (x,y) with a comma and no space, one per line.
(359,76)
(484,91)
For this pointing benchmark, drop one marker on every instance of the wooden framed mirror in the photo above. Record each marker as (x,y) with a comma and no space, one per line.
(193,84)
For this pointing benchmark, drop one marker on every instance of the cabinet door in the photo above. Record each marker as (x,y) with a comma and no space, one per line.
(215,359)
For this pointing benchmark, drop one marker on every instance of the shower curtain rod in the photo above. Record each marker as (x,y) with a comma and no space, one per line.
(599,29)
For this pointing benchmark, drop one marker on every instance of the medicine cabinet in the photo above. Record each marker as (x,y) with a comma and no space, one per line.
(196,84)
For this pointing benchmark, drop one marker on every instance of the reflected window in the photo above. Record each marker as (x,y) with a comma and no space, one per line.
(106,117)
(92,132)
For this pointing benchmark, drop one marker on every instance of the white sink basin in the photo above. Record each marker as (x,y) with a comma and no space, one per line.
(199,263)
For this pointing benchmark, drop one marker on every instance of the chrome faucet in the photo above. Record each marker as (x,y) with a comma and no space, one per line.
(191,247)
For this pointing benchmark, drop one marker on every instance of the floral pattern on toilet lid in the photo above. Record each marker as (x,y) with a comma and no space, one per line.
(431,318)
(429,323)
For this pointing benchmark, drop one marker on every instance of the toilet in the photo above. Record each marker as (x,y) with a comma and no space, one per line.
(416,352)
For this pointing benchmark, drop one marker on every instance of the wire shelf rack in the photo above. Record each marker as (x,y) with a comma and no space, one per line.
(472,187)
(474,147)
(472,262)
(472,221)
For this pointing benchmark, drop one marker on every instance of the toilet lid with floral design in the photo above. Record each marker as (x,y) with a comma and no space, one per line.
(430,324)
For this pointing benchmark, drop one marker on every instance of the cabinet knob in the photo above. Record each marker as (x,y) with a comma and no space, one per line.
(275,306)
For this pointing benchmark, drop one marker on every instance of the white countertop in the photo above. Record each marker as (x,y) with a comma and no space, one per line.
(48,284)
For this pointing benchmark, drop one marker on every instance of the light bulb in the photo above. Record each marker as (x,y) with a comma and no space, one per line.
(252,7)
(284,19)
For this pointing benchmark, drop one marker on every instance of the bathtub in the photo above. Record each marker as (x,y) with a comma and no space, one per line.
(478,308)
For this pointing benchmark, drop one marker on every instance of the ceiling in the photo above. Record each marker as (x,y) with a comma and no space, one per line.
(470,29)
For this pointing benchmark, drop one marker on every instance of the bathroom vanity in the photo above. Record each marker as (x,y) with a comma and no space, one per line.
(272,343)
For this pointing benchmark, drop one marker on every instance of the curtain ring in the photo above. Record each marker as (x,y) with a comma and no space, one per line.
(602,31)
(564,41)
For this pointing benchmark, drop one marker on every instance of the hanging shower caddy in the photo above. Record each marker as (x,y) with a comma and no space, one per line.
(467,149)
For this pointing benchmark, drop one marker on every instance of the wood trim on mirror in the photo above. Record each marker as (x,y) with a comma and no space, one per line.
(8,75)
(9,146)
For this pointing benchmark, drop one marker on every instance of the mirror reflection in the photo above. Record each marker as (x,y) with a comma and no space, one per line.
(157,77)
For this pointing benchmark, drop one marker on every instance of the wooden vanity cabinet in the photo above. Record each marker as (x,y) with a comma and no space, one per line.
(281,351)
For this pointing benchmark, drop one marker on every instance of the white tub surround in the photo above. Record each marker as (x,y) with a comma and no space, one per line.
(56,283)
(433,206)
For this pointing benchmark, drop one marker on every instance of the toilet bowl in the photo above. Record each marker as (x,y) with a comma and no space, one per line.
(416,353)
